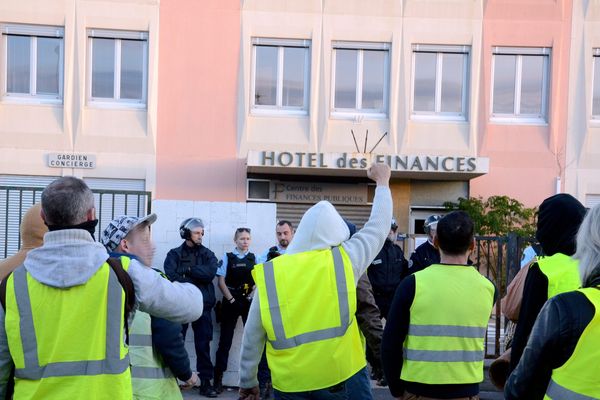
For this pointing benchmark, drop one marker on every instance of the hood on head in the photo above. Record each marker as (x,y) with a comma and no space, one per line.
(68,258)
(321,227)
(32,228)
(559,218)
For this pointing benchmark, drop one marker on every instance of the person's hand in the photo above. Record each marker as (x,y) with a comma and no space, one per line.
(252,393)
(380,173)
(190,383)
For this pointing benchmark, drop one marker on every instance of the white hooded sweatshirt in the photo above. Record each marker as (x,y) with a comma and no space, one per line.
(321,227)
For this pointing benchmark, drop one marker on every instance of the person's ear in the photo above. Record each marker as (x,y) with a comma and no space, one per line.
(91,214)
(472,246)
(124,245)
(436,242)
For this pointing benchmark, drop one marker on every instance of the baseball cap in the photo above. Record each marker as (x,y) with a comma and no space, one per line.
(119,227)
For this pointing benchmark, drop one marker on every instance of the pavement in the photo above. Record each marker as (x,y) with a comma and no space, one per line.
(487,393)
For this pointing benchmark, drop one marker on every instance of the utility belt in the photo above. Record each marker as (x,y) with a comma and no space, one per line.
(240,291)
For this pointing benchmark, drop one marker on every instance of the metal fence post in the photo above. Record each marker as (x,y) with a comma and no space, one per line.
(512,256)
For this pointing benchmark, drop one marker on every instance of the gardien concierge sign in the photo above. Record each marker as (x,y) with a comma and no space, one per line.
(70,160)
(353,161)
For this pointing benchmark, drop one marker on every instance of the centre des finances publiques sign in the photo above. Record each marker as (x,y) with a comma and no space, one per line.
(313,192)
(353,161)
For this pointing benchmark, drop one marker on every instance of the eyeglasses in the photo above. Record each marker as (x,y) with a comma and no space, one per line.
(240,230)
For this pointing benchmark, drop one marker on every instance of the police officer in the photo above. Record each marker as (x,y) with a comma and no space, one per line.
(426,254)
(236,284)
(387,270)
(194,263)
(284,232)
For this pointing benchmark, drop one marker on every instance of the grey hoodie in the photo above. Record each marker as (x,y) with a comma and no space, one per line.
(71,257)
(321,227)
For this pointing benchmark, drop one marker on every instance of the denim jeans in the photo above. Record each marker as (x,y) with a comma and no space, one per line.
(354,388)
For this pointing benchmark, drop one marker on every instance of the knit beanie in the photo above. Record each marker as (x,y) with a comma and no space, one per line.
(559,218)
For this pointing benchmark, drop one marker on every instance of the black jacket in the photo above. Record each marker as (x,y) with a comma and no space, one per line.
(387,269)
(552,342)
(394,334)
(197,265)
(423,256)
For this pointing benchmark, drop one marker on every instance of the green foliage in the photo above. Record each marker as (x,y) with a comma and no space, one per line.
(497,215)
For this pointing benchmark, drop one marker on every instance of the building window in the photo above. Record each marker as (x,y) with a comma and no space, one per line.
(280,75)
(520,84)
(34,61)
(440,81)
(596,88)
(360,79)
(118,65)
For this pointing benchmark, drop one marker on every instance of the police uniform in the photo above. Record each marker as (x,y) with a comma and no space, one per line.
(236,269)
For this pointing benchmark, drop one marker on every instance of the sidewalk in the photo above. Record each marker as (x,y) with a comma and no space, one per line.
(379,393)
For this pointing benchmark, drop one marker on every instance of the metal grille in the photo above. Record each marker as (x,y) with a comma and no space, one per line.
(16,200)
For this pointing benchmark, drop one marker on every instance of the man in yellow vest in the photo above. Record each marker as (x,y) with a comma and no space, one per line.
(62,324)
(156,347)
(433,341)
(555,272)
(306,302)
(562,358)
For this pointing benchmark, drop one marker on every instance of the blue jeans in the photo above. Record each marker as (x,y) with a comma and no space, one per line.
(357,387)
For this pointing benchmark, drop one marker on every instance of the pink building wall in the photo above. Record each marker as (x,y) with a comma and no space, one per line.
(525,159)
(199,50)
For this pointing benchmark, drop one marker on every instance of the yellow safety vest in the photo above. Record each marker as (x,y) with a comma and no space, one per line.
(562,272)
(448,320)
(68,343)
(577,379)
(307,307)
(150,377)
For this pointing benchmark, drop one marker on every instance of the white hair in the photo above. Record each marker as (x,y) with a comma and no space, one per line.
(588,246)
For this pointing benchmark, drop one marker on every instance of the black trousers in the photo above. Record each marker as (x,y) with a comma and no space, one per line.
(229,317)
(203,331)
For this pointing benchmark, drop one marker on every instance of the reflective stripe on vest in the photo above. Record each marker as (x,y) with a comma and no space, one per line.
(562,272)
(111,364)
(307,305)
(445,340)
(577,378)
(281,341)
(558,392)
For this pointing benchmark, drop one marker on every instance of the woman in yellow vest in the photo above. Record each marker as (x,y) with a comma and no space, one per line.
(433,341)
(556,272)
(562,357)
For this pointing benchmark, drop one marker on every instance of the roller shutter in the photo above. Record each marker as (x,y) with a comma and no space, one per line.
(358,215)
